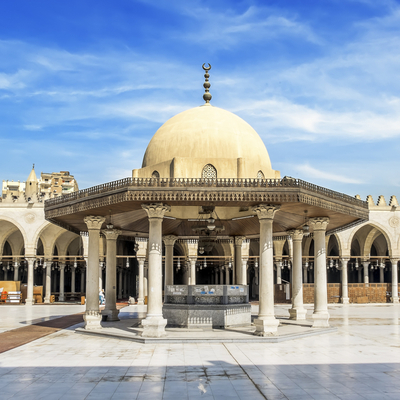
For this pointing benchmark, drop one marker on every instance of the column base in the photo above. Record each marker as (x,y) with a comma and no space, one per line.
(29,302)
(345,300)
(154,327)
(92,320)
(266,326)
(60,298)
(140,302)
(395,300)
(321,319)
(297,313)
(112,315)
(46,300)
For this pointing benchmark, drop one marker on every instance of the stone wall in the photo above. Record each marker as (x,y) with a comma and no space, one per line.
(358,293)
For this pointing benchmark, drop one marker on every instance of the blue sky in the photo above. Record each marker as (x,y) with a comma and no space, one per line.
(85,84)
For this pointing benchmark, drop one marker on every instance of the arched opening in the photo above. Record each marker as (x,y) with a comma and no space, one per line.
(369,245)
(333,273)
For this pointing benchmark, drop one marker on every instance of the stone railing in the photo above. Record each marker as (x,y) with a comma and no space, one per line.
(204,182)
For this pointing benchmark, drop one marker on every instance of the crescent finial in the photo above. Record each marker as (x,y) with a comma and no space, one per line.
(207,95)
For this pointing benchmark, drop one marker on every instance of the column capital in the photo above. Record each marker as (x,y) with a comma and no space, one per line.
(239,240)
(296,234)
(142,247)
(319,223)
(265,211)
(169,240)
(111,234)
(94,222)
(394,260)
(192,245)
(61,266)
(156,210)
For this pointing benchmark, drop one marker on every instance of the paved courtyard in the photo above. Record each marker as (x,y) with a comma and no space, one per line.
(359,361)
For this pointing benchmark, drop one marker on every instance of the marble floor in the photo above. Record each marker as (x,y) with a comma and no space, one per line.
(361,360)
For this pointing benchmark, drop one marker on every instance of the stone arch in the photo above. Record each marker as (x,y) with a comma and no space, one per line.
(49,234)
(260,175)
(209,172)
(5,235)
(367,228)
(17,225)
(155,174)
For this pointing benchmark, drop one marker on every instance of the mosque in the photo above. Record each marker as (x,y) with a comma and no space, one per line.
(206,208)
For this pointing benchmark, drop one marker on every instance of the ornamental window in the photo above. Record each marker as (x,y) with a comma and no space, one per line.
(209,172)
(155,175)
(260,175)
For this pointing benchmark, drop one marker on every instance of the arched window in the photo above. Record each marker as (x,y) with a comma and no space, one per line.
(155,175)
(260,175)
(209,172)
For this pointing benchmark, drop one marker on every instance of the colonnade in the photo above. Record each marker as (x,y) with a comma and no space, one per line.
(154,323)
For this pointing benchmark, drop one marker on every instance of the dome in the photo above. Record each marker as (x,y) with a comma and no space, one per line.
(207,135)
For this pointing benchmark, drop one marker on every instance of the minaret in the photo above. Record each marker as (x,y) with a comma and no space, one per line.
(31,186)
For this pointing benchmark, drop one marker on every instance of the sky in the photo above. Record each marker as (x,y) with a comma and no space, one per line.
(84,85)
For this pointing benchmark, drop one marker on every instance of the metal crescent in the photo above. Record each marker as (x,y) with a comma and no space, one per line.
(208,68)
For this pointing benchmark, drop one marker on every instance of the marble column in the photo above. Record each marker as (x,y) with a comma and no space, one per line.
(29,295)
(395,280)
(365,269)
(92,316)
(47,294)
(279,271)
(169,242)
(82,279)
(16,268)
(240,277)
(221,275)
(344,280)
(382,274)
(120,283)
(266,323)
(62,281)
(216,276)
(321,314)
(192,277)
(305,272)
(100,275)
(141,261)
(244,271)
(73,277)
(154,324)
(125,284)
(227,275)
(110,308)
(297,312)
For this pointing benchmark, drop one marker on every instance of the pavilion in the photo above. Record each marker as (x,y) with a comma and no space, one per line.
(206,183)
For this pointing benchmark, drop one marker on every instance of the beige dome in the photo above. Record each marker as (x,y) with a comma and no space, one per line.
(207,135)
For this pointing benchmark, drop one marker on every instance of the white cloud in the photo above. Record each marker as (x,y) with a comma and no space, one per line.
(226,29)
(313,173)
